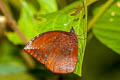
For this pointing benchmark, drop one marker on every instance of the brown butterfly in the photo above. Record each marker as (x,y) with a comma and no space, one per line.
(58,50)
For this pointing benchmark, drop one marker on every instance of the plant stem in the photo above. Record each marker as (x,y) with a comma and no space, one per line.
(89,2)
(12,22)
(98,15)
(13,25)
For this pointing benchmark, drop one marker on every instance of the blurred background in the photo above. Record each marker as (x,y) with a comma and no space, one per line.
(100,61)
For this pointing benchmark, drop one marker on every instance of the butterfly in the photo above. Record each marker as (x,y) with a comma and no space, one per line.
(57,50)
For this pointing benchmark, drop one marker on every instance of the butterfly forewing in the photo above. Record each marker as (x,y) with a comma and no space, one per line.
(56,49)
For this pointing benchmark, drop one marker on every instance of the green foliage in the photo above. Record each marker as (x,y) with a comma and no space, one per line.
(47,6)
(27,22)
(6,69)
(38,16)
(100,62)
(60,20)
(107,29)
(9,62)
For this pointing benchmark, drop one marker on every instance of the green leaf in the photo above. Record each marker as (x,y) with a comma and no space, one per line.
(82,31)
(6,69)
(10,63)
(6,51)
(27,24)
(72,15)
(47,6)
(107,28)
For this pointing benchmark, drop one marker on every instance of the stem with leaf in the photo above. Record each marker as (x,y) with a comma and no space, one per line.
(99,14)
(14,26)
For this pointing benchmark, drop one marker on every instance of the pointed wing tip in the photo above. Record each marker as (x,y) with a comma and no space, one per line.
(28,45)
(25,49)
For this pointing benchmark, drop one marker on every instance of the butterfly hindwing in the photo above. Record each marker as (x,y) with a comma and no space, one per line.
(64,57)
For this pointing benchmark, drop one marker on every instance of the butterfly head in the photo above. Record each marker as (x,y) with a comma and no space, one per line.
(74,36)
